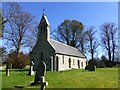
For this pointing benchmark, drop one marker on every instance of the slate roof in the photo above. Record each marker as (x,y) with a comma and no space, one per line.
(65,49)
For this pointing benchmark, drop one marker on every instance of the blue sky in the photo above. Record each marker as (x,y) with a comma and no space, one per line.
(89,13)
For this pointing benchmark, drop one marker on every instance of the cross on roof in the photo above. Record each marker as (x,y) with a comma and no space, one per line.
(43,10)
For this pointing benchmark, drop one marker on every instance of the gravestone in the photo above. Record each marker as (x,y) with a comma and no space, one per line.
(43,83)
(87,67)
(41,69)
(7,70)
(40,76)
(92,68)
(31,72)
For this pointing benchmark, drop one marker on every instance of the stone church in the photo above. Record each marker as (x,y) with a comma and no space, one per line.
(57,56)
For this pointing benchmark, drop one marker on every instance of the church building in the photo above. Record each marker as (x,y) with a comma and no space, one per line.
(57,56)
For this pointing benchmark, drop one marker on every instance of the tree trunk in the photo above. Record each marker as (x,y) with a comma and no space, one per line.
(91,46)
(92,53)
(18,51)
(19,44)
(82,47)
(113,51)
(109,52)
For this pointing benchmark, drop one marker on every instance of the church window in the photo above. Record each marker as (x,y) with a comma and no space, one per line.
(81,64)
(63,59)
(44,27)
(78,64)
(69,63)
(73,62)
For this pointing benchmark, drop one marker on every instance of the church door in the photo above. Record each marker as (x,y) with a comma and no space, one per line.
(69,63)
(78,64)
(57,63)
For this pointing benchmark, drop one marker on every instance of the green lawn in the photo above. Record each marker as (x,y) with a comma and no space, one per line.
(102,78)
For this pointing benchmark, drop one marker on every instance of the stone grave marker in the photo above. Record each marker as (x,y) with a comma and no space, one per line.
(92,68)
(42,83)
(40,76)
(31,72)
(7,70)
(87,67)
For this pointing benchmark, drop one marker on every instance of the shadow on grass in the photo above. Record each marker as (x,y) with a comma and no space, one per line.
(61,89)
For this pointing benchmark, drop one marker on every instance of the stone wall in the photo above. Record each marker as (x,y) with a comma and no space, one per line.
(42,51)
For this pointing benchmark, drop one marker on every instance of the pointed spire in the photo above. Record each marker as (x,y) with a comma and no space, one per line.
(45,17)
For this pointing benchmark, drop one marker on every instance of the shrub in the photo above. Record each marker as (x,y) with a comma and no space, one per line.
(92,62)
(105,60)
(101,64)
(110,64)
(18,63)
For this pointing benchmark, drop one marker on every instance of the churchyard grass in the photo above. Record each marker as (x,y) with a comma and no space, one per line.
(102,78)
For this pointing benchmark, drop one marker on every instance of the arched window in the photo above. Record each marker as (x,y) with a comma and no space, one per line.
(78,64)
(73,62)
(63,59)
(81,64)
(44,28)
(69,63)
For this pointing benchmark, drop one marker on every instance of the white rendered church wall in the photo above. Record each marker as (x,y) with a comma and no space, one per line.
(64,64)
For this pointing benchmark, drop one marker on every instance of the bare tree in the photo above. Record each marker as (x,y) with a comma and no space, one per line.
(69,32)
(113,31)
(108,32)
(18,26)
(93,43)
(83,41)
(2,22)
(32,39)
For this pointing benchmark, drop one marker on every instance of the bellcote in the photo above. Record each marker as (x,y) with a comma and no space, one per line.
(44,29)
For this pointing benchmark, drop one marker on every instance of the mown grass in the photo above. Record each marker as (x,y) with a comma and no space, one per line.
(102,78)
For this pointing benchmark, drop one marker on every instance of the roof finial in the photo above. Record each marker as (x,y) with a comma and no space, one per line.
(43,10)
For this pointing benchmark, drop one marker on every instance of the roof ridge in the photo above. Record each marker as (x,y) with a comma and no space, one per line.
(64,44)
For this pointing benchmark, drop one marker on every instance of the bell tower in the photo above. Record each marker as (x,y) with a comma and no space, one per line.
(44,29)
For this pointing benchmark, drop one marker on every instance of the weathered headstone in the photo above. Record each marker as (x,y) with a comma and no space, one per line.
(43,83)
(87,67)
(7,70)
(31,72)
(41,69)
(40,75)
(92,68)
